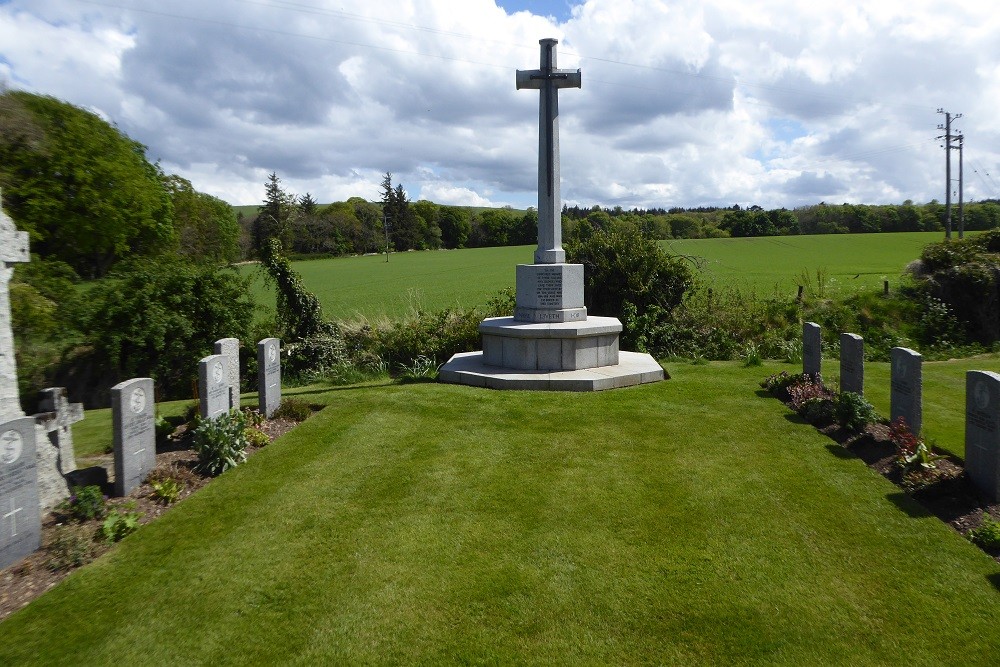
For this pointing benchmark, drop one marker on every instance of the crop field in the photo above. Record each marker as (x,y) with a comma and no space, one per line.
(368,287)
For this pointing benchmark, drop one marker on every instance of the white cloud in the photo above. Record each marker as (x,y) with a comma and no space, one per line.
(685,103)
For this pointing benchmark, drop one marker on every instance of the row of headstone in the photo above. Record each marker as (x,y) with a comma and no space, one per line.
(982,402)
(219,378)
(905,372)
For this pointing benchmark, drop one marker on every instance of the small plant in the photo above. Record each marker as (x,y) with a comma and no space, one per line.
(221,442)
(793,351)
(254,418)
(987,535)
(421,369)
(164,429)
(166,490)
(853,412)
(293,408)
(86,503)
(817,410)
(256,438)
(120,523)
(911,451)
(805,389)
(71,547)
(751,355)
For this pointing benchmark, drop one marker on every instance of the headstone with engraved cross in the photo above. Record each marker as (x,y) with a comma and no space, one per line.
(54,444)
(133,423)
(20,516)
(13,250)
(230,348)
(269,375)
(213,386)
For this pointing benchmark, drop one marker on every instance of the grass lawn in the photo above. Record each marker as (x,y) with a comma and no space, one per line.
(353,287)
(694,521)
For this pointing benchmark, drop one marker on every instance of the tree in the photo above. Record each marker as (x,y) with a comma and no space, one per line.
(274,217)
(455,226)
(205,227)
(406,233)
(83,189)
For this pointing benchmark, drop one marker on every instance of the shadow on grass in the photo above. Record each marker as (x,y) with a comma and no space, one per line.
(841,452)
(908,504)
(795,418)
(994,579)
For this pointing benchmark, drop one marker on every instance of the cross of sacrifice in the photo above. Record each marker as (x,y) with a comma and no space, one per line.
(12,515)
(13,250)
(548,80)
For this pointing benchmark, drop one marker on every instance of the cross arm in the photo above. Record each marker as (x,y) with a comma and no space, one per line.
(559,78)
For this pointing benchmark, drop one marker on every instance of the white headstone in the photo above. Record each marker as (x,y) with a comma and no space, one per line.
(230,348)
(905,387)
(13,250)
(982,431)
(269,375)
(213,386)
(54,445)
(812,349)
(20,516)
(133,424)
(852,363)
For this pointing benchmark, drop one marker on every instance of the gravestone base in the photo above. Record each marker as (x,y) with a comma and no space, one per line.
(633,368)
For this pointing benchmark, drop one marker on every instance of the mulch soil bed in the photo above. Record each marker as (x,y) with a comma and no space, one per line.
(23,582)
(945,490)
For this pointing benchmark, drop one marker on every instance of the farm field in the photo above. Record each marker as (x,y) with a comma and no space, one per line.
(369,287)
(433,523)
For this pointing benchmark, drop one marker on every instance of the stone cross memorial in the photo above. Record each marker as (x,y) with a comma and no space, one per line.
(213,386)
(133,422)
(905,387)
(550,342)
(13,250)
(812,349)
(982,431)
(852,363)
(230,348)
(20,515)
(54,444)
(268,376)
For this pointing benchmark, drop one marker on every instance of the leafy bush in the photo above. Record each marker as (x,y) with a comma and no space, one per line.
(293,408)
(221,442)
(987,535)
(817,410)
(853,411)
(622,265)
(119,524)
(156,319)
(85,503)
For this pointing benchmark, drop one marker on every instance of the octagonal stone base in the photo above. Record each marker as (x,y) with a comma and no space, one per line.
(633,368)
(550,346)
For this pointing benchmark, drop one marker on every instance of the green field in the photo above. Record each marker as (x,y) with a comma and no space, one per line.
(687,522)
(354,287)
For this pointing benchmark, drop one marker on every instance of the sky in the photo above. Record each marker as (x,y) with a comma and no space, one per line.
(779,103)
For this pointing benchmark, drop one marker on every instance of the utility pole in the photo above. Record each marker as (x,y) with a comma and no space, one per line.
(385,228)
(947,136)
(961,209)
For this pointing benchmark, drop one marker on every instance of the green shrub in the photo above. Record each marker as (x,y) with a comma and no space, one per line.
(817,410)
(85,503)
(293,408)
(853,412)
(911,451)
(256,438)
(221,442)
(987,535)
(119,524)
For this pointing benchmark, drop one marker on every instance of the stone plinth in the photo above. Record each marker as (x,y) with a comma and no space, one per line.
(564,346)
(550,293)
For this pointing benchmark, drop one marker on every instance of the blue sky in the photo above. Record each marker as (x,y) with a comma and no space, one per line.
(684,102)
